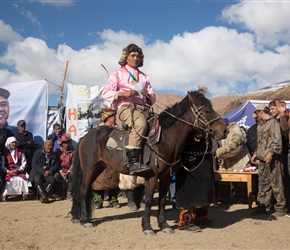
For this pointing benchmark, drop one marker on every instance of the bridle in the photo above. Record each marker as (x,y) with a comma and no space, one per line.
(199,118)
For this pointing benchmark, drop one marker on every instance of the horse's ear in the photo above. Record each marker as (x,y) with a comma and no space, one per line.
(190,96)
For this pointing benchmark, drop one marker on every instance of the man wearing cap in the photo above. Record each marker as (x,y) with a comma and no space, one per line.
(269,159)
(25,143)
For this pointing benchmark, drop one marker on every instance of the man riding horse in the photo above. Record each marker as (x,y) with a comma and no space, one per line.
(130,91)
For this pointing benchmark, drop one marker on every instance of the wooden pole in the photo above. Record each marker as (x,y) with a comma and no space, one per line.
(64,77)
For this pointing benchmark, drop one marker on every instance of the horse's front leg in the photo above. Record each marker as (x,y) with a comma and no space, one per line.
(149,193)
(162,223)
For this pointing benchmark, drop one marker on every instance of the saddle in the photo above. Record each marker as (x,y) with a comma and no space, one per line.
(118,139)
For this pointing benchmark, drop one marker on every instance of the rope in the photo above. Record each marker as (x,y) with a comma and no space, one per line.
(205,152)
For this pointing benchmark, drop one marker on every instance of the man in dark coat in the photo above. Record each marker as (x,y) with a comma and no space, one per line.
(44,166)
(25,143)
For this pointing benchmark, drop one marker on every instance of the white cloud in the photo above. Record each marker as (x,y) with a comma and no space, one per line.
(269,20)
(224,60)
(7,34)
(56,3)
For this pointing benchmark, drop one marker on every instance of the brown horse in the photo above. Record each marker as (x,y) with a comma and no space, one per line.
(193,113)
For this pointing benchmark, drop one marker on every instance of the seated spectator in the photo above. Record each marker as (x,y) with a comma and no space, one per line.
(14,166)
(25,143)
(44,166)
(57,133)
(65,176)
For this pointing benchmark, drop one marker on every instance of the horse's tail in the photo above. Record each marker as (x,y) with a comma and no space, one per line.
(77,182)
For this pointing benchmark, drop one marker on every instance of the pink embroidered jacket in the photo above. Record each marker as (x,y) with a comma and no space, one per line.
(121,81)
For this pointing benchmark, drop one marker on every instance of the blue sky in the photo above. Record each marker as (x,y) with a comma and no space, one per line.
(229,46)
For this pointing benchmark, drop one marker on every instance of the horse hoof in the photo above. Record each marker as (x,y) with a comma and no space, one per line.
(75,221)
(167,230)
(88,225)
(148,232)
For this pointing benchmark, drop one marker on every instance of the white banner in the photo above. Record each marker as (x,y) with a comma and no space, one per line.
(28,101)
(82,109)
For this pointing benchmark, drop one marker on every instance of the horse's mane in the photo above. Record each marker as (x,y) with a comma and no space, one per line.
(179,108)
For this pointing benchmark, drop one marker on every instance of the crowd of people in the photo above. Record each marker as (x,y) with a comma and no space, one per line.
(49,167)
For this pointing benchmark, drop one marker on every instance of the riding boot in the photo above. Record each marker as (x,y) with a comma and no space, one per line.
(69,195)
(42,193)
(131,202)
(135,167)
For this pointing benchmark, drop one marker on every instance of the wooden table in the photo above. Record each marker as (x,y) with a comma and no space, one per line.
(250,177)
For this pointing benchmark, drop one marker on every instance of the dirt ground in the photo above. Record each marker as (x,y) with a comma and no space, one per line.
(33,225)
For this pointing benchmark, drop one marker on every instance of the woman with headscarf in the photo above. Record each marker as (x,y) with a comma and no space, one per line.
(14,166)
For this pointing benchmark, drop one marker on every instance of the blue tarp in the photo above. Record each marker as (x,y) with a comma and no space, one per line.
(242,115)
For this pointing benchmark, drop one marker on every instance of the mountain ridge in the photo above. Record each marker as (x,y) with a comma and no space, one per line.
(226,103)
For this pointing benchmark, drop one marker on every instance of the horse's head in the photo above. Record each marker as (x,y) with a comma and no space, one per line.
(207,119)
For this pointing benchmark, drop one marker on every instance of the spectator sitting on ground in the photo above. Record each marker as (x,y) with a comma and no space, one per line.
(25,143)
(65,175)
(44,166)
(14,166)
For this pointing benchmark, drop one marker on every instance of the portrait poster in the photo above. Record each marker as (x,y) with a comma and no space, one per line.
(83,107)
(28,101)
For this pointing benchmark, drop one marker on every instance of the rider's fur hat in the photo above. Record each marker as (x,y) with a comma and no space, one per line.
(129,49)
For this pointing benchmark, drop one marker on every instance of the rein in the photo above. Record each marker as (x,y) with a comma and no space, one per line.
(199,117)
(201,161)
(197,112)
